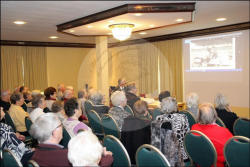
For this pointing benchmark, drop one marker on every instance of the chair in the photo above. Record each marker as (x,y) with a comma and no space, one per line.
(241,127)
(190,117)
(128,109)
(9,159)
(120,154)
(220,122)
(110,126)
(95,123)
(9,121)
(148,155)
(236,151)
(156,112)
(88,105)
(32,163)
(66,138)
(200,149)
(28,123)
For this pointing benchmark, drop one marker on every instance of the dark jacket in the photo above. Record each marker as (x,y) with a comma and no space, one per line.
(101,109)
(131,99)
(227,117)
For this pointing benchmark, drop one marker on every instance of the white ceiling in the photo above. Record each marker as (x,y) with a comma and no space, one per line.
(43,16)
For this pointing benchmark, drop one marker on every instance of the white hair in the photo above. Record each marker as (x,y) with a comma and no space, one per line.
(192,100)
(207,114)
(84,149)
(220,101)
(96,97)
(168,105)
(118,97)
(43,126)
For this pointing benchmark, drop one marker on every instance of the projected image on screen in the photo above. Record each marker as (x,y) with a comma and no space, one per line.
(212,53)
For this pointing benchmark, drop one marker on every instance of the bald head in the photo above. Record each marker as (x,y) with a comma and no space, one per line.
(207,114)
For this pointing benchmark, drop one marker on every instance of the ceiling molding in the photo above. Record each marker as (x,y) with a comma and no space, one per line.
(46,44)
(207,31)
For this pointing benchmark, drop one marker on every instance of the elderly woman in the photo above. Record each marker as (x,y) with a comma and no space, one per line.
(71,124)
(218,135)
(193,103)
(98,100)
(119,101)
(131,94)
(224,112)
(50,96)
(174,122)
(57,108)
(39,104)
(82,94)
(136,129)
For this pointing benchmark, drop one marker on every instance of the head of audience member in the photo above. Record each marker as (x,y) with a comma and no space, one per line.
(81,94)
(192,100)
(169,105)
(17,89)
(70,88)
(207,114)
(163,95)
(121,82)
(84,149)
(57,107)
(97,98)
(140,109)
(118,99)
(35,92)
(221,102)
(2,113)
(27,96)
(47,128)
(38,101)
(5,95)
(60,88)
(50,93)
(67,94)
(17,99)
(23,89)
(131,88)
(71,108)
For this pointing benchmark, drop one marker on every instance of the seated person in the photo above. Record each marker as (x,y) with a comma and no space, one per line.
(50,97)
(81,101)
(17,113)
(224,112)
(39,104)
(163,95)
(85,149)
(22,90)
(57,108)
(5,100)
(136,129)
(60,91)
(67,95)
(218,135)
(98,100)
(71,124)
(119,101)
(193,104)
(131,94)
(27,98)
(121,84)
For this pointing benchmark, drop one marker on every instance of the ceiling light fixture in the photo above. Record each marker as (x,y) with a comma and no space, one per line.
(71,30)
(20,22)
(179,20)
(138,14)
(221,19)
(142,33)
(53,37)
(121,31)
(89,26)
(152,25)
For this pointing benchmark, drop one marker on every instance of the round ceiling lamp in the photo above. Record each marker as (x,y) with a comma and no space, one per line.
(121,31)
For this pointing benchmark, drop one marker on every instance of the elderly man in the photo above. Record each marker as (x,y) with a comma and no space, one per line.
(218,135)
(98,100)
(60,91)
(121,84)
(131,94)
(5,100)
(39,103)
(119,101)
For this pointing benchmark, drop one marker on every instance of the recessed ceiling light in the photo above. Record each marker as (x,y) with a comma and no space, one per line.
(53,37)
(221,19)
(179,20)
(90,26)
(111,21)
(71,30)
(152,25)
(19,22)
(109,33)
(142,33)
(138,14)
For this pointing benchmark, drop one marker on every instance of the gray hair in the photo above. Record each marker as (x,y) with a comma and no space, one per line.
(84,149)
(192,100)
(118,97)
(4,93)
(81,94)
(168,105)
(207,114)
(96,97)
(44,126)
(221,101)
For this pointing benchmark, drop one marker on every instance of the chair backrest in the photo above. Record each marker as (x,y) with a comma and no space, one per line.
(9,159)
(156,112)
(110,126)
(88,105)
(148,155)
(120,154)
(128,109)
(241,127)
(200,149)
(9,121)
(28,123)
(236,151)
(66,138)
(32,163)
(220,122)
(190,117)
(95,122)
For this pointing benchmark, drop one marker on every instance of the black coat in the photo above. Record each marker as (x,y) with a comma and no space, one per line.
(227,117)
(131,99)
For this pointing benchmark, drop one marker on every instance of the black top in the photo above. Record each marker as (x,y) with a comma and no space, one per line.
(131,99)
(227,117)
(5,105)
(101,109)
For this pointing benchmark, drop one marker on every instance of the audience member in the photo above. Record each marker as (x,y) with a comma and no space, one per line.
(27,98)
(60,91)
(23,89)
(82,94)
(98,100)
(218,135)
(50,96)
(193,103)
(39,104)
(57,108)
(72,125)
(119,101)
(5,100)
(121,84)
(17,113)
(131,94)
(67,95)
(163,95)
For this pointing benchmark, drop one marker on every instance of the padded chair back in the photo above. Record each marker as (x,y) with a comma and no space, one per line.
(236,151)
(200,149)
(9,159)
(128,109)
(220,122)
(148,155)
(156,112)
(241,127)
(9,121)
(32,163)
(190,117)
(28,123)
(88,105)
(95,122)
(110,126)
(66,138)
(120,154)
